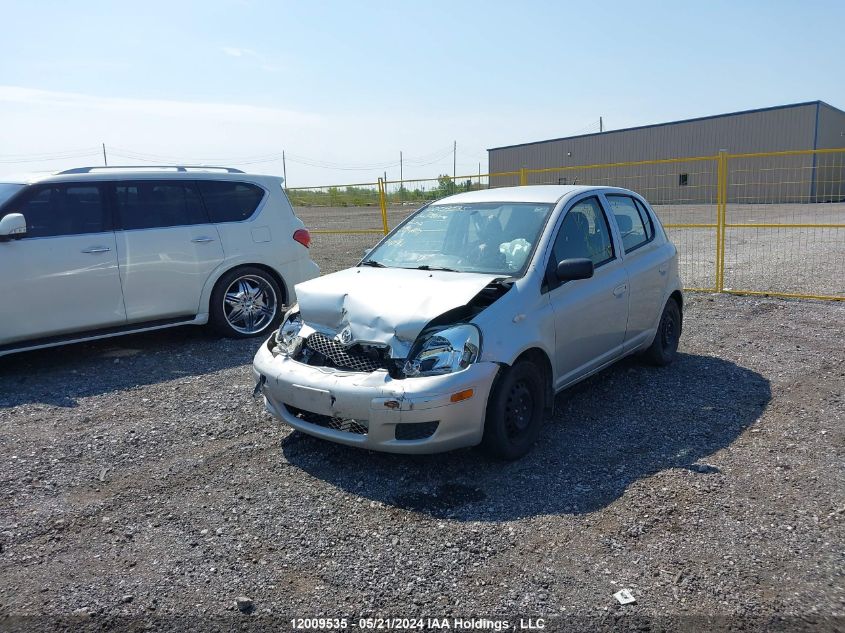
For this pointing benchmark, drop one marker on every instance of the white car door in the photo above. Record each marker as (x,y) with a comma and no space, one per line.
(62,277)
(590,314)
(167,248)
(646,264)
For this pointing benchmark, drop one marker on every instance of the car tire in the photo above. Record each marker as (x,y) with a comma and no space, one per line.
(664,348)
(246,302)
(515,411)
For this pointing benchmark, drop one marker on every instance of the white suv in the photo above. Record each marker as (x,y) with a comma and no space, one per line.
(94,252)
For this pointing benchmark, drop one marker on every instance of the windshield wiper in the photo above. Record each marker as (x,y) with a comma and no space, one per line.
(443,268)
(373,263)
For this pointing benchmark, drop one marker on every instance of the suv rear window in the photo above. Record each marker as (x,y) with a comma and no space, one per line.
(230,201)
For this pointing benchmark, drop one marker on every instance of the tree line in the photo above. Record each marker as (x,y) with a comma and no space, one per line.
(362,196)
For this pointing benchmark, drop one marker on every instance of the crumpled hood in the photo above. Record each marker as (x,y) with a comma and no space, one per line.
(385,305)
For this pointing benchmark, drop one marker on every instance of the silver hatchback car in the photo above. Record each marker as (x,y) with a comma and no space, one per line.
(460,326)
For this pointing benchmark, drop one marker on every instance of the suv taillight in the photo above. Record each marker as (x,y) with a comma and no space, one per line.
(303,237)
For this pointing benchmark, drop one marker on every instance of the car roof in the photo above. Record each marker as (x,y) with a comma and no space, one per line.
(145,173)
(528,193)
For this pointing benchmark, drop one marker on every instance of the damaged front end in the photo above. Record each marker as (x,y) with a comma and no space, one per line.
(442,343)
(408,378)
(311,347)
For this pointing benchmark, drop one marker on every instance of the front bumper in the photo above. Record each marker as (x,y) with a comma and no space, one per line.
(362,396)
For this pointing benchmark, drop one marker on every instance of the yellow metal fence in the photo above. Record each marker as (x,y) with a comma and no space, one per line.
(763,223)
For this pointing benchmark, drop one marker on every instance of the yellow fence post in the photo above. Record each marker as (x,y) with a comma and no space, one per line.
(718,220)
(523,176)
(382,199)
(721,212)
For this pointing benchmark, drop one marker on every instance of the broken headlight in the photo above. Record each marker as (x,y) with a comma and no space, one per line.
(287,338)
(444,351)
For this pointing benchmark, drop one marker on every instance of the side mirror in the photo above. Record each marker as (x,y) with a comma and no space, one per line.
(12,227)
(575,268)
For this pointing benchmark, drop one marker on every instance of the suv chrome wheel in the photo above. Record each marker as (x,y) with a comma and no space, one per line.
(249,304)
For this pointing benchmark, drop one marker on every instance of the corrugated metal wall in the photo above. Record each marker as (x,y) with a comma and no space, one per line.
(830,169)
(774,129)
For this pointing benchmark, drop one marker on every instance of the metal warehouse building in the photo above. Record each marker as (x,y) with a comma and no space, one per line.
(800,126)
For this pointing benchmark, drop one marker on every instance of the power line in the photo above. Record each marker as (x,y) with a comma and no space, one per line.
(94,152)
(420,161)
(594,126)
(248,160)
(48,155)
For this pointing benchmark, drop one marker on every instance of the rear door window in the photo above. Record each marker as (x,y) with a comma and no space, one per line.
(63,209)
(148,204)
(629,221)
(646,216)
(230,201)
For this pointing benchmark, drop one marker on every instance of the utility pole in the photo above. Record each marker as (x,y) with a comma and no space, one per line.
(401,178)
(479,174)
(601,125)
(454,161)
(284,168)
(105,160)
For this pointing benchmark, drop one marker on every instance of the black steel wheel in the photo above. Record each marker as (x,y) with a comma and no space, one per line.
(664,348)
(519,409)
(515,411)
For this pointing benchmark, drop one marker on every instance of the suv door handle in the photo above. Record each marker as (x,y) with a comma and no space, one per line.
(97,249)
(202,240)
(620,290)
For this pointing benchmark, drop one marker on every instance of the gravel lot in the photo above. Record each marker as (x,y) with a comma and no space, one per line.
(142,486)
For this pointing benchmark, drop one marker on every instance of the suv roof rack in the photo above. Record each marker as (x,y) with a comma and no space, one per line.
(88,170)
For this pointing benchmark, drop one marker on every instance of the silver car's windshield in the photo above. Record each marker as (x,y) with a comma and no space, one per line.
(7,190)
(495,238)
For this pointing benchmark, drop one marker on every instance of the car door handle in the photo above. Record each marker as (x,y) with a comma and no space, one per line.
(662,270)
(97,249)
(620,290)
(202,240)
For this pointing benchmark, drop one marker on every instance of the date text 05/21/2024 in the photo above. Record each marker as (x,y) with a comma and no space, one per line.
(420,624)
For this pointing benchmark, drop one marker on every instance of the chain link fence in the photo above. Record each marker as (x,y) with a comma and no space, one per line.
(785,224)
(768,223)
(344,221)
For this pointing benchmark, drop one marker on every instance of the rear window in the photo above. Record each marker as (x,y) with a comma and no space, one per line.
(649,225)
(629,221)
(148,204)
(230,201)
